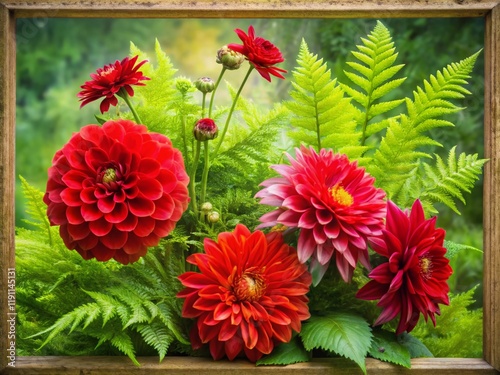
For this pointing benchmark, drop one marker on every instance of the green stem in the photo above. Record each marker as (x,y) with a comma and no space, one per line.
(214,90)
(231,110)
(124,95)
(204,177)
(184,138)
(203,105)
(192,178)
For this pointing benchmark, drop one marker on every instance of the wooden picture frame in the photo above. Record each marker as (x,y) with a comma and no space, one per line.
(489,10)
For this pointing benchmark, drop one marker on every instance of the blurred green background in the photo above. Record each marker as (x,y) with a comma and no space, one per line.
(55,57)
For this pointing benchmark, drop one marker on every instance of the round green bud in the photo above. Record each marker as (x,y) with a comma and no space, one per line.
(230,59)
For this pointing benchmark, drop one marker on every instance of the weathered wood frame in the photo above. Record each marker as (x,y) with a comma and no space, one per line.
(10,10)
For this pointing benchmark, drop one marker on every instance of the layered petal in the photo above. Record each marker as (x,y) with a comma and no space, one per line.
(249,295)
(110,197)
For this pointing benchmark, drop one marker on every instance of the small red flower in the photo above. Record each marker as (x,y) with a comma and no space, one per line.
(249,295)
(115,190)
(414,279)
(261,53)
(332,201)
(108,81)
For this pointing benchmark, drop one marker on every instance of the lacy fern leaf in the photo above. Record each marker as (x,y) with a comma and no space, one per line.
(373,73)
(398,157)
(444,182)
(323,117)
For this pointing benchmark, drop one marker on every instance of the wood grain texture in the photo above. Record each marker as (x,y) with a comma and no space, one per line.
(192,366)
(492,191)
(7,121)
(254,8)
(9,9)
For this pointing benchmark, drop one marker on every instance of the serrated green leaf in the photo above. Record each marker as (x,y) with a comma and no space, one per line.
(385,346)
(345,334)
(286,354)
(415,347)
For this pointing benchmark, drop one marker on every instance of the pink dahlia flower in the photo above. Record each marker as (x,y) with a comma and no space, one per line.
(108,81)
(261,53)
(249,295)
(334,204)
(414,278)
(115,190)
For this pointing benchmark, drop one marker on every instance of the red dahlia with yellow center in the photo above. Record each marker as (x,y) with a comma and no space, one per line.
(332,201)
(249,295)
(115,190)
(413,280)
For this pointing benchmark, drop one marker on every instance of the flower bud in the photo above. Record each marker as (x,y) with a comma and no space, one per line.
(229,59)
(205,129)
(213,217)
(205,84)
(206,207)
(183,85)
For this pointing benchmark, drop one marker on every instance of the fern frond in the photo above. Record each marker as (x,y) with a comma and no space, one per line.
(157,336)
(373,75)
(445,182)
(397,159)
(35,208)
(323,117)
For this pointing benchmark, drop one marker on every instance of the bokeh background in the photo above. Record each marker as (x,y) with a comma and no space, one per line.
(56,55)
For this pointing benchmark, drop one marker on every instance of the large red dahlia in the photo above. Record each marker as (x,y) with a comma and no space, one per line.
(109,80)
(249,295)
(115,190)
(261,53)
(414,279)
(334,204)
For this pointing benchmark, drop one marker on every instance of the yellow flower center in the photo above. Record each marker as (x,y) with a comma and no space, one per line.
(341,196)
(425,267)
(109,176)
(249,287)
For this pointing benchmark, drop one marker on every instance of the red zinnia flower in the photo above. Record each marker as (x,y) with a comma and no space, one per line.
(115,190)
(261,53)
(249,295)
(332,201)
(108,81)
(414,279)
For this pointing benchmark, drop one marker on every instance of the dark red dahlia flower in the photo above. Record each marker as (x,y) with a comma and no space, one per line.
(108,81)
(334,204)
(249,295)
(115,190)
(261,53)
(414,279)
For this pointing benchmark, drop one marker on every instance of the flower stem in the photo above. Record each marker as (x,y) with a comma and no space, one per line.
(192,179)
(210,107)
(231,110)
(124,95)
(204,177)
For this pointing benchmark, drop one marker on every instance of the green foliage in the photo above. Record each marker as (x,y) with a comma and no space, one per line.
(443,182)
(286,354)
(345,334)
(385,346)
(373,73)
(458,331)
(356,119)
(321,115)
(113,304)
(248,145)
(400,152)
